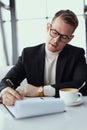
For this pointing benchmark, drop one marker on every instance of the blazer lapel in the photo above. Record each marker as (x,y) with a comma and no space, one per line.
(61,62)
(40,66)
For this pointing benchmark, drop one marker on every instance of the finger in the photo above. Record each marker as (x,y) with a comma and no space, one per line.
(8,102)
(9,91)
(8,99)
(20,91)
(15,93)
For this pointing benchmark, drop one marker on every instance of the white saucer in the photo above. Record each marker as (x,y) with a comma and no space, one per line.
(79,102)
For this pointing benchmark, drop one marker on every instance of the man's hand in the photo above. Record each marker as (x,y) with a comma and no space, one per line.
(30,90)
(9,96)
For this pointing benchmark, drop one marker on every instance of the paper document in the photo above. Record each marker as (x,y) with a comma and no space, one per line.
(29,107)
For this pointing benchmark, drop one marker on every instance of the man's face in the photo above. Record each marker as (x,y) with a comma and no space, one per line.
(59,34)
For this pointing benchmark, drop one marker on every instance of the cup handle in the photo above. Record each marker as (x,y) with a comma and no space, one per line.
(79,96)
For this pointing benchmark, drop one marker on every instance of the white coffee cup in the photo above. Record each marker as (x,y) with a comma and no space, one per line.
(70,95)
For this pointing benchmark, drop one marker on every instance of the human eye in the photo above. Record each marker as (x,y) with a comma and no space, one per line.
(64,37)
(54,31)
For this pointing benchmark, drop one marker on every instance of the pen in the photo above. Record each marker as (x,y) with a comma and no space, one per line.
(9,82)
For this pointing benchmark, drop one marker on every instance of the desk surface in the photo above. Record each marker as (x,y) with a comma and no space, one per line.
(75,118)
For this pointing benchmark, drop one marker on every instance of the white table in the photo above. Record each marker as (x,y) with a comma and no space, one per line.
(75,118)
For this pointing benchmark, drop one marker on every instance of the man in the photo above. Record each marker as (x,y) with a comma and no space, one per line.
(48,67)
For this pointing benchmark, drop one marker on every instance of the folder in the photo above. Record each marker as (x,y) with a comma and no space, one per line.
(29,107)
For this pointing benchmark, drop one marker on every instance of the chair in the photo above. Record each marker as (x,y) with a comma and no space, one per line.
(3,72)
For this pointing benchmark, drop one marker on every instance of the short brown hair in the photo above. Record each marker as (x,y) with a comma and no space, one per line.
(68,16)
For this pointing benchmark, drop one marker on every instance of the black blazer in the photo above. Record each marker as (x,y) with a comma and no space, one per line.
(70,70)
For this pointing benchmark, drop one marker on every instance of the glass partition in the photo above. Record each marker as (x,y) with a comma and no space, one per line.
(30,20)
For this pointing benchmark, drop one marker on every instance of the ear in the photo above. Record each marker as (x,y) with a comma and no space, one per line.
(48,26)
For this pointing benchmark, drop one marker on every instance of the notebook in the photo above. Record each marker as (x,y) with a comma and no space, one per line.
(29,107)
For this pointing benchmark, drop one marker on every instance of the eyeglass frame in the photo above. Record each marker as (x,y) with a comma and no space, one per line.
(59,34)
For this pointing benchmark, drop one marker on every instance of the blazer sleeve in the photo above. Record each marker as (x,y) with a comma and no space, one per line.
(79,74)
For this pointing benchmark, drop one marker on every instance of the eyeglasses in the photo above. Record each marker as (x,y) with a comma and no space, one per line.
(53,33)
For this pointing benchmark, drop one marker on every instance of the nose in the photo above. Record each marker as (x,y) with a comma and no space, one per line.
(57,38)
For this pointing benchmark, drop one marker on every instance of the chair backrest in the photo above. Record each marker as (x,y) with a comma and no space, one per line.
(3,72)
